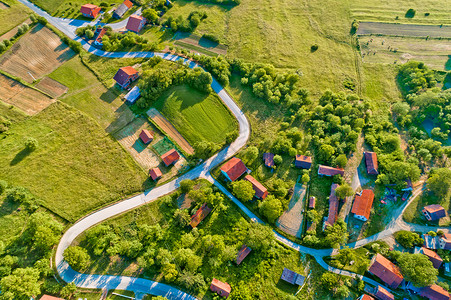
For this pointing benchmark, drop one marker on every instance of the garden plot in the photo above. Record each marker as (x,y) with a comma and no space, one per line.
(36,54)
(52,87)
(291,220)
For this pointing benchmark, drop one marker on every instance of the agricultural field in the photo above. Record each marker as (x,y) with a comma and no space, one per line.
(51,87)
(36,54)
(23,97)
(410,30)
(12,13)
(197,116)
(399,50)
(76,167)
(67,9)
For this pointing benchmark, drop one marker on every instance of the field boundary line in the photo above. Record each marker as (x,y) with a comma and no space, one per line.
(19,80)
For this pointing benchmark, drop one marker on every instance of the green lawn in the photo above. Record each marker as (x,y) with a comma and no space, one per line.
(11,113)
(77,166)
(413,213)
(196,115)
(360,264)
(67,9)
(12,222)
(12,16)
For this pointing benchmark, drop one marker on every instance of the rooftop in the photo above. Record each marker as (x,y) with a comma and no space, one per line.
(386,271)
(260,191)
(363,203)
(234,168)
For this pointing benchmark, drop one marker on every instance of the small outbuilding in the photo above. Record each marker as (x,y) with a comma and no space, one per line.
(371,163)
(434,212)
(292,277)
(170,157)
(122,9)
(268,158)
(312,202)
(98,36)
(242,253)
(302,161)
(329,171)
(362,205)
(125,76)
(133,95)
(135,23)
(200,214)
(432,255)
(90,10)
(434,292)
(221,288)
(233,169)
(365,297)
(155,173)
(146,136)
(383,294)
(260,191)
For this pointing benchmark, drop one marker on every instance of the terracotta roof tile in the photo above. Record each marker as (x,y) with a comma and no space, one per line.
(363,203)
(146,136)
(333,205)
(260,191)
(371,163)
(383,294)
(329,171)
(303,161)
(268,158)
(155,173)
(234,168)
(200,214)
(170,157)
(434,292)
(242,253)
(123,74)
(48,297)
(222,288)
(386,271)
(134,22)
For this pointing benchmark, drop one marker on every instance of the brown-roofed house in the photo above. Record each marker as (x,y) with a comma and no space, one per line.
(200,214)
(268,158)
(125,76)
(312,202)
(303,161)
(371,163)
(333,206)
(233,169)
(146,136)
(90,10)
(434,212)
(122,9)
(292,277)
(362,205)
(382,294)
(170,157)
(48,297)
(135,23)
(365,297)
(260,191)
(155,173)
(329,171)
(386,271)
(242,253)
(221,288)
(434,292)
(432,255)
(98,37)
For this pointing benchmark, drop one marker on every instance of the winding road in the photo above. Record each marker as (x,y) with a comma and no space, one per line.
(143,286)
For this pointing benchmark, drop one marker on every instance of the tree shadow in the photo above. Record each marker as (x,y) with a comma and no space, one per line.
(20,156)
(448,68)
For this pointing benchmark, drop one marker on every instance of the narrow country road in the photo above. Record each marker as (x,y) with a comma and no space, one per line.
(142,286)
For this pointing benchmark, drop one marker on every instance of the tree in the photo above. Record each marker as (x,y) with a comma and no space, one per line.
(326,152)
(169,272)
(77,257)
(31,144)
(182,217)
(305,178)
(21,284)
(439,182)
(251,154)
(341,160)
(343,191)
(186,185)
(271,208)
(243,190)
(185,258)
(329,280)
(190,281)
(345,256)
(151,15)
(418,269)
(45,231)
(68,290)
(277,160)
(336,234)
(260,237)
(408,239)
(342,292)
(89,34)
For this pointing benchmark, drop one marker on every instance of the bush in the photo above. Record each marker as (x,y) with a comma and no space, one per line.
(278,160)
(42,20)
(408,239)
(3,186)
(243,190)
(211,37)
(314,47)
(77,257)
(31,144)
(410,13)
(33,18)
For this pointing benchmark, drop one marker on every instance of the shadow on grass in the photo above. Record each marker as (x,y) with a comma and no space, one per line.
(20,156)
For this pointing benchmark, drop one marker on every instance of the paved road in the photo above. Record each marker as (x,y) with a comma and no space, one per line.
(144,286)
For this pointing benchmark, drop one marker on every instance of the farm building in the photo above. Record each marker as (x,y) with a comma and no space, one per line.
(122,9)
(125,76)
(292,277)
(221,288)
(437,242)
(333,206)
(48,297)
(365,297)
(98,37)
(233,169)
(200,214)
(386,271)
(90,10)
(155,173)
(434,212)
(260,191)
(329,171)
(432,255)
(242,253)
(133,95)
(302,161)
(371,163)
(380,293)
(362,205)
(170,157)
(268,158)
(146,136)
(135,23)
(312,202)
(434,292)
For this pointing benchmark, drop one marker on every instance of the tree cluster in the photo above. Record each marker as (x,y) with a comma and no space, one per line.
(415,77)
(408,239)
(187,25)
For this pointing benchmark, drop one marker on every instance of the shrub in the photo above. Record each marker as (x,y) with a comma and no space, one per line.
(211,37)
(76,256)
(278,160)
(410,13)
(3,186)
(42,20)
(314,47)
(31,144)
(33,18)
(408,239)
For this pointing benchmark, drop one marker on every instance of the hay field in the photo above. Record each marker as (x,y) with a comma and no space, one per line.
(410,30)
(26,99)
(39,52)
(12,13)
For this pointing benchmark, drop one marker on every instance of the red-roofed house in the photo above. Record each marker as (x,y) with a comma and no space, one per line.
(170,157)
(155,173)
(260,191)
(434,212)
(312,202)
(382,294)
(135,23)
(233,169)
(329,171)
(362,205)
(268,158)
(146,136)
(221,288)
(242,253)
(386,271)
(90,10)
(365,297)
(434,292)
(200,214)
(125,76)
(371,163)
(333,206)
(98,37)
(303,161)
(432,255)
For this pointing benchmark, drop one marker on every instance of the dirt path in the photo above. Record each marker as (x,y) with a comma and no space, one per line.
(170,130)
(291,220)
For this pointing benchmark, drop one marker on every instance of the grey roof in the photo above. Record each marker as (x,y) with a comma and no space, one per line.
(133,95)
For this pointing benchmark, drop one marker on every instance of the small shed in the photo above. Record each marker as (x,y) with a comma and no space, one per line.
(292,277)
(170,157)
(155,173)
(90,10)
(371,163)
(136,23)
(133,95)
(268,158)
(329,171)
(200,214)
(302,161)
(122,9)
(312,202)
(146,136)
(125,76)
(242,253)
(48,297)
(260,191)
(221,288)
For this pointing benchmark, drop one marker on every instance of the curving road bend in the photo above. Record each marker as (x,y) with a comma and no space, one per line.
(143,286)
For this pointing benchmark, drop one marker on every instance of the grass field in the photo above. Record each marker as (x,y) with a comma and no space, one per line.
(413,212)
(76,168)
(67,9)
(12,16)
(197,116)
